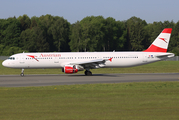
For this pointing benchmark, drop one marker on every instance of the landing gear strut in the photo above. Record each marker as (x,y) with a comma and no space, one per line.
(88,73)
(22,73)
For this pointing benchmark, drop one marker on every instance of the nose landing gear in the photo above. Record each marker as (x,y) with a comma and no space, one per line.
(22,73)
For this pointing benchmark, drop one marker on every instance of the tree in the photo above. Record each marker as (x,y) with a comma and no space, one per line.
(76,37)
(98,28)
(11,35)
(114,34)
(110,34)
(92,32)
(1,48)
(96,33)
(27,37)
(34,21)
(34,40)
(25,21)
(86,26)
(2,28)
(41,43)
(135,33)
(121,34)
(60,30)
(7,51)
(174,43)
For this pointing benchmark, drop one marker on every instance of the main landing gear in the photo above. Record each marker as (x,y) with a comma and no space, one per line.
(88,73)
(22,73)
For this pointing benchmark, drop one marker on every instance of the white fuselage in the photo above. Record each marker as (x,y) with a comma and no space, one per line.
(60,59)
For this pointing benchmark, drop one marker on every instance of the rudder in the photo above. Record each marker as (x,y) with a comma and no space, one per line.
(160,44)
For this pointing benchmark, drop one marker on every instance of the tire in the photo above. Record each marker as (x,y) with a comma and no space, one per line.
(89,73)
(22,74)
(86,72)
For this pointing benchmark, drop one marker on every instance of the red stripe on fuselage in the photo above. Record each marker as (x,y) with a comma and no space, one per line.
(154,48)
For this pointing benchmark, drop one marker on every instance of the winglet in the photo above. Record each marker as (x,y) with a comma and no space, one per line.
(160,44)
(110,59)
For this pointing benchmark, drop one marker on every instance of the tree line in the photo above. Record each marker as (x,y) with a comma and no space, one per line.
(49,33)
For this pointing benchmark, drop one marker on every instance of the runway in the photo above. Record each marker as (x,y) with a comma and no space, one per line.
(48,80)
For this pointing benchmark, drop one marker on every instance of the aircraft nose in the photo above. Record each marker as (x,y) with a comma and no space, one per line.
(4,63)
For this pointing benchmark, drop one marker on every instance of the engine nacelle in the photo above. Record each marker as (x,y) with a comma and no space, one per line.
(69,69)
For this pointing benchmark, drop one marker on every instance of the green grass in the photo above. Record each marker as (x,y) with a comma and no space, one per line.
(125,101)
(158,67)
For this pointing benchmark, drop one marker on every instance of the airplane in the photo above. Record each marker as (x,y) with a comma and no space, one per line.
(72,62)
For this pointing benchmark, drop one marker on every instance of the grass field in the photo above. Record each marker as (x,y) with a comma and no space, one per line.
(124,101)
(158,67)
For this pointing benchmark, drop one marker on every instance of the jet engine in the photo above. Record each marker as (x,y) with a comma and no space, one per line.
(69,69)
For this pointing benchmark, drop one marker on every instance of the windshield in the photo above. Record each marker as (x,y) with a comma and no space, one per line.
(11,58)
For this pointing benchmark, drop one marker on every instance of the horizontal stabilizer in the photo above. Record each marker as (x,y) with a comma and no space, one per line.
(168,55)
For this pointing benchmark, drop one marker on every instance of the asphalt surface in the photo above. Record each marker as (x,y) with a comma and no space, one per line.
(48,80)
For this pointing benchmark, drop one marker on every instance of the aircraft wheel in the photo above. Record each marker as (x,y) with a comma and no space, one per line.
(88,73)
(22,74)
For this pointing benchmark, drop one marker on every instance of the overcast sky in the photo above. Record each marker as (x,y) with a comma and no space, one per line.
(73,10)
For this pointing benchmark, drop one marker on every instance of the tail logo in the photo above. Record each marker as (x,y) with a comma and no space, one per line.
(164,39)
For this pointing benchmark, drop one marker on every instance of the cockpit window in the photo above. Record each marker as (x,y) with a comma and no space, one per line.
(11,58)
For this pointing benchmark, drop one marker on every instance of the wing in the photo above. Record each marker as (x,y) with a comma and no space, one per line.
(92,64)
